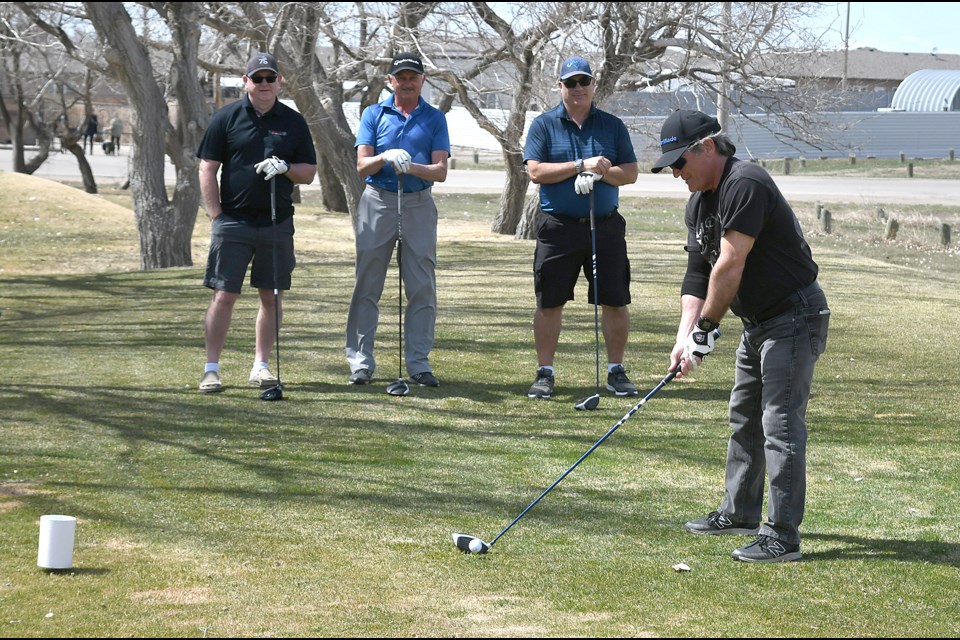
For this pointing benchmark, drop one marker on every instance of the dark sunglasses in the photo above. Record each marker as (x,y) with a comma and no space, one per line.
(259,79)
(681,162)
(570,83)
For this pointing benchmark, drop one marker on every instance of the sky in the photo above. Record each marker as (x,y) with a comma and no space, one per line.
(918,27)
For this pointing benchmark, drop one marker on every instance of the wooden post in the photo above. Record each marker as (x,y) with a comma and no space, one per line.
(910,170)
(903,157)
(950,154)
(892,227)
(453,163)
(803,162)
(945,234)
(819,210)
(825,222)
(786,166)
(853,158)
(476,157)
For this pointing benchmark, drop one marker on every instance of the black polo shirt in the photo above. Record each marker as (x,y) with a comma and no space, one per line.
(238,138)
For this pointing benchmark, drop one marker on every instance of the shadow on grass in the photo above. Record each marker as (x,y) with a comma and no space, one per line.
(859,548)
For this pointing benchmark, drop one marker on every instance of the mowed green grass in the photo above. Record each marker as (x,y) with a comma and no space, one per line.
(330,513)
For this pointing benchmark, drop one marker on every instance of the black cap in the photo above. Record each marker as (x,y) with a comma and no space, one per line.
(261,62)
(682,129)
(406,60)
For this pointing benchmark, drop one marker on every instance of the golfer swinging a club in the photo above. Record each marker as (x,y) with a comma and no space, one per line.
(257,144)
(747,254)
(403,135)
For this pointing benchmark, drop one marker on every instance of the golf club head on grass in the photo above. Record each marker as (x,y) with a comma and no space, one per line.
(470,544)
(588,404)
(273,393)
(398,388)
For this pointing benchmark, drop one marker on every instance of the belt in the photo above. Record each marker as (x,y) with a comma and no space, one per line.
(780,307)
(580,220)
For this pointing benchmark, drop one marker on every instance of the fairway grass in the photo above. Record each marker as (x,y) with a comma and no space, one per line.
(330,513)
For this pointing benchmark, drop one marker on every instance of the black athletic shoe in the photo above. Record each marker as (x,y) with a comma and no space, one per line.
(543,386)
(619,383)
(361,376)
(425,379)
(719,524)
(767,549)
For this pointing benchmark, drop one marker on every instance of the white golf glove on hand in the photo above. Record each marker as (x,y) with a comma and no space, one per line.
(272,166)
(399,158)
(699,345)
(584,182)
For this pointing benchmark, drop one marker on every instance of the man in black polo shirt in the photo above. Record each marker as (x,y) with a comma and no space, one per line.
(747,254)
(251,142)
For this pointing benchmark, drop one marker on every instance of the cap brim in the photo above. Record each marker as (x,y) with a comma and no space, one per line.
(576,73)
(667,159)
(406,67)
(270,69)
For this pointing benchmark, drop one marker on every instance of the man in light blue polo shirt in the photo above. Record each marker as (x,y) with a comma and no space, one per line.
(572,150)
(403,135)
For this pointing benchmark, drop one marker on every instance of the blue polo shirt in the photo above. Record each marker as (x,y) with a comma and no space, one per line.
(238,138)
(383,127)
(554,137)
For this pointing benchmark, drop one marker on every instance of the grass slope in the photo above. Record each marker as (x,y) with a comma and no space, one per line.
(330,514)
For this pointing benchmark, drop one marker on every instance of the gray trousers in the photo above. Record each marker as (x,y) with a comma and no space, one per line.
(768,406)
(376,237)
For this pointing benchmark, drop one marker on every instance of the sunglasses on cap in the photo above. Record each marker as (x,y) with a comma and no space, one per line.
(570,83)
(259,79)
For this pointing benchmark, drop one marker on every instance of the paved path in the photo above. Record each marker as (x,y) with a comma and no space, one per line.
(796,188)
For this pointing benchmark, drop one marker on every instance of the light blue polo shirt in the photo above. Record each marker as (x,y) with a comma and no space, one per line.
(554,137)
(383,127)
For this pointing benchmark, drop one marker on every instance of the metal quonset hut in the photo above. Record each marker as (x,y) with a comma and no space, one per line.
(929,90)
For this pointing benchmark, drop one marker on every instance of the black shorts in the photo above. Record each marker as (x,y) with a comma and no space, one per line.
(234,242)
(564,250)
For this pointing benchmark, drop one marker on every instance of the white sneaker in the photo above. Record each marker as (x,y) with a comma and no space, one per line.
(262,378)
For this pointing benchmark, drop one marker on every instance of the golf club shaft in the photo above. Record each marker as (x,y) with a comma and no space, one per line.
(399,276)
(670,376)
(276,285)
(596,291)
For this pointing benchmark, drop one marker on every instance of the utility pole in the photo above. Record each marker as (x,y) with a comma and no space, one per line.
(846,50)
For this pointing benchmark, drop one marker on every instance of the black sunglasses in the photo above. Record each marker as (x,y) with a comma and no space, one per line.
(259,79)
(570,83)
(681,162)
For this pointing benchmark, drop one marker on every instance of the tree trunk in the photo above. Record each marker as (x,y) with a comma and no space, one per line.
(527,229)
(514,192)
(165,227)
(334,198)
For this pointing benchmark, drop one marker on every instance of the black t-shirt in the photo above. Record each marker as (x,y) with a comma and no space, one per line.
(748,201)
(238,138)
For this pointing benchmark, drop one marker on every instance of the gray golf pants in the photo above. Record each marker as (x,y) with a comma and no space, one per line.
(768,406)
(376,237)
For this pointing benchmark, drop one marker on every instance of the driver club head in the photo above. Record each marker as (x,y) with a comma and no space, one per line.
(470,544)
(588,404)
(273,393)
(398,388)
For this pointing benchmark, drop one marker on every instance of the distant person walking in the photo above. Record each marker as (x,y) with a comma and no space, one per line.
(90,131)
(116,132)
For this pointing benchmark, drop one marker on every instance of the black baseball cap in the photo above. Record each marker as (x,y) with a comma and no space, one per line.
(406,60)
(261,62)
(683,128)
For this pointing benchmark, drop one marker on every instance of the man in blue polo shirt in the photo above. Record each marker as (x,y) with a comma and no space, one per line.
(403,135)
(252,142)
(572,150)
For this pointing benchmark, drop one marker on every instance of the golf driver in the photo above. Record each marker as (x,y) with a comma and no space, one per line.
(473,544)
(591,403)
(275,392)
(399,386)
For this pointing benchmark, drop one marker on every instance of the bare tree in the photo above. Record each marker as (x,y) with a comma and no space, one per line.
(40,90)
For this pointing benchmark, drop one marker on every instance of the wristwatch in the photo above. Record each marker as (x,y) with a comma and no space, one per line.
(706,324)
(578,165)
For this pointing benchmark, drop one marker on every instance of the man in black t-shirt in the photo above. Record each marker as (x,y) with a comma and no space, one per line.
(747,254)
(257,144)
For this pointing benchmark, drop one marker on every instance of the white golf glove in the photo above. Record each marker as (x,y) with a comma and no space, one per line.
(584,182)
(699,345)
(272,166)
(399,158)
